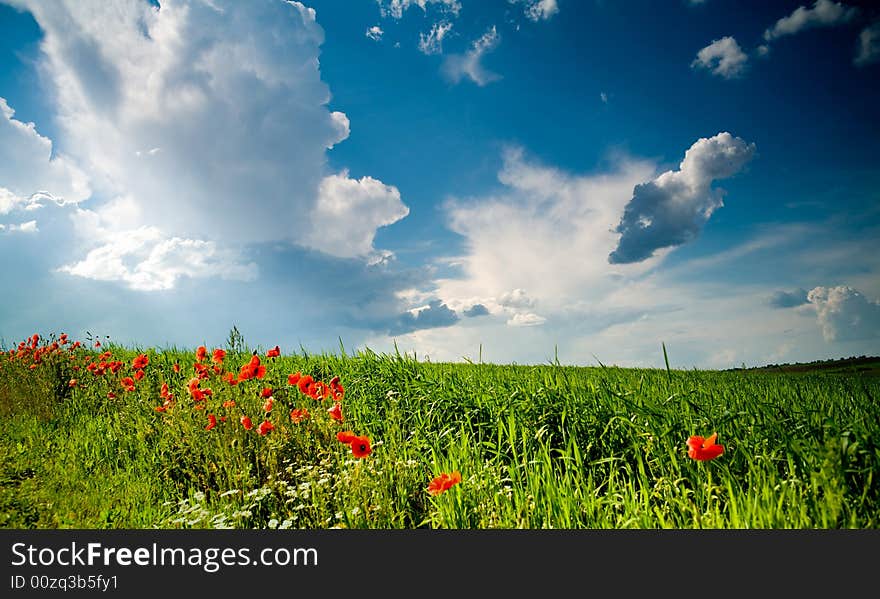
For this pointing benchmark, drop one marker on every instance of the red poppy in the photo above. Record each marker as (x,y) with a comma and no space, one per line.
(274,352)
(266,392)
(298,415)
(336,412)
(217,356)
(176,368)
(138,375)
(230,379)
(252,370)
(345,437)
(319,390)
(127,383)
(360,447)
(140,362)
(304,382)
(97,344)
(160,408)
(111,395)
(201,353)
(212,422)
(229,403)
(72,383)
(163,392)
(246,423)
(444,482)
(267,407)
(265,427)
(293,379)
(704,449)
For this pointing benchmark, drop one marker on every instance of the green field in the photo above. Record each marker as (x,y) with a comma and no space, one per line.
(546,446)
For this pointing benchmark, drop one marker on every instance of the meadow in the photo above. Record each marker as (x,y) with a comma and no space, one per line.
(96,435)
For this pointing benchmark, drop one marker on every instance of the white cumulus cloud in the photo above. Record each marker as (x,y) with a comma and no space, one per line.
(349,211)
(723,57)
(211,118)
(845,314)
(29,174)
(824,13)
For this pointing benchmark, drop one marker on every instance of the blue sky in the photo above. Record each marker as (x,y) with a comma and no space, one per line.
(521,178)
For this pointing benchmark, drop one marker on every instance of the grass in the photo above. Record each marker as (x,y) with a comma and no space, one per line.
(546,446)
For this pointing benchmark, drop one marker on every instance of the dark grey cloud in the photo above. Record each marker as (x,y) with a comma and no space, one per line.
(476,310)
(788,299)
(436,314)
(671,209)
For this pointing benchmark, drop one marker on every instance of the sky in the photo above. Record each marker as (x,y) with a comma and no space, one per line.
(517,181)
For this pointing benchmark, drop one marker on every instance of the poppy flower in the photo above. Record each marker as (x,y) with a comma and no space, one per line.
(72,383)
(217,356)
(345,437)
(336,412)
(127,383)
(266,392)
(444,482)
(265,427)
(140,362)
(704,449)
(176,368)
(274,352)
(293,379)
(267,407)
(201,353)
(163,392)
(160,408)
(246,423)
(212,422)
(252,370)
(303,383)
(230,379)
(298,415)
(138,375)
(360,447)
(229,403)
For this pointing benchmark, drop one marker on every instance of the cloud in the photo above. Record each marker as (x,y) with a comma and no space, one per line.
(29,174)
(396,8)
(869,45)
(537,10)
(211,118)
(824,13)
(789,299)
(469,65)
(144,258)
(672,208)
(476,310)
(25,227)
(845,314)
(348,212)
(433,42)
(527,319)
(435,314)
(375,33)
(723,57)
